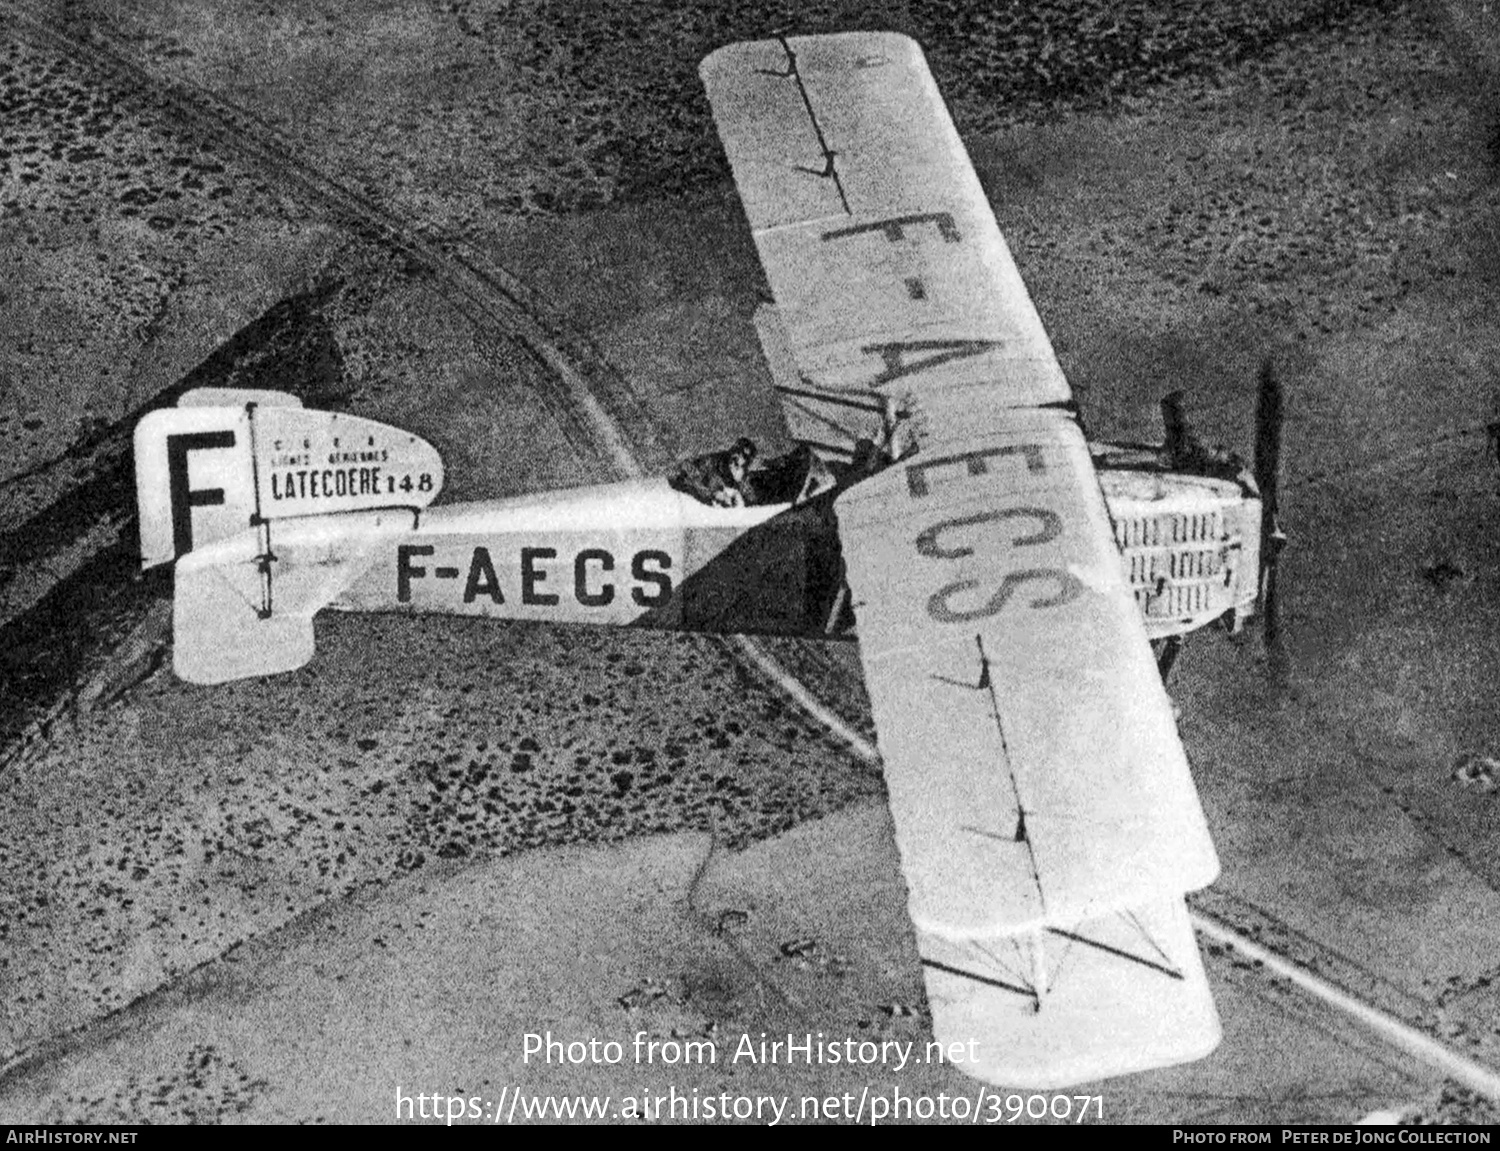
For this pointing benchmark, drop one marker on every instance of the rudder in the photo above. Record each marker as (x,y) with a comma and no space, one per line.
(207,470)
(268,511)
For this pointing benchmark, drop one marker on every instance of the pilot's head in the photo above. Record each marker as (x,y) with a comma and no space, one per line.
(741,456)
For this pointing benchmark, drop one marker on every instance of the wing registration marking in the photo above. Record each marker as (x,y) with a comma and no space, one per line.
(996,530)
(977,463)
(928,541)
(1066,586)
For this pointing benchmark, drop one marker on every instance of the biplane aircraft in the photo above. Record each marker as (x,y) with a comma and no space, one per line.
(1004,580)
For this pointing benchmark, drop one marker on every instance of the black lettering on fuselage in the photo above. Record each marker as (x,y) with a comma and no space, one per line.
(406,571)
(185,498)
(531,576)
(594,584)
(581,593)
(482,578)
(644,575)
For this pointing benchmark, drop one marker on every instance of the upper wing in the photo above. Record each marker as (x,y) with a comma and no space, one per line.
(1030,751)
(889,272)
(1033,763)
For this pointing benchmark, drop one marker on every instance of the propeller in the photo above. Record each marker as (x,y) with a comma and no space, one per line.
(1267,471)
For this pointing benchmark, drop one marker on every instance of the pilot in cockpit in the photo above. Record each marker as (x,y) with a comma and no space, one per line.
(719,478)
(725,478)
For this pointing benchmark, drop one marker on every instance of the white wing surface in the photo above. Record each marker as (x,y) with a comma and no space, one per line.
(1030,751)
(887,266)
(1116,995)
(1042,801)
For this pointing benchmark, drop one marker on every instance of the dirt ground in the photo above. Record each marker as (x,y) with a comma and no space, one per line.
(293,899)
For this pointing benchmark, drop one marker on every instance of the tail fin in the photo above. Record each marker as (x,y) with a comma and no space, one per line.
(208,469)
(268,510)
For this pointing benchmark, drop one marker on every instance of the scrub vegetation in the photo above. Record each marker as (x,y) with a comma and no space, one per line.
(1472,27)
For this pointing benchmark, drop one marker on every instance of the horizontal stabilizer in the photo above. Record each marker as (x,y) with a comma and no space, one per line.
(219,635)
(244,606)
